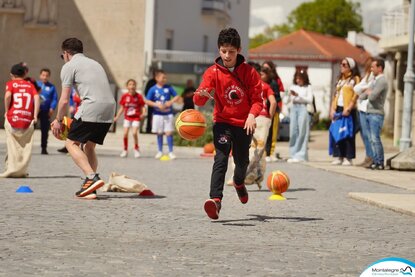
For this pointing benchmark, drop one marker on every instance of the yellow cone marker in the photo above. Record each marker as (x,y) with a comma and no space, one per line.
(164,158)
(277,197)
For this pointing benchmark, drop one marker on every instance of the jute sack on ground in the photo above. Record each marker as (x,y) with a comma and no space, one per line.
(122,183)
(19,150)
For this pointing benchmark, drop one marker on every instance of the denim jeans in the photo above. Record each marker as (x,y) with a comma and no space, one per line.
(299,132)
(364,132)
(375,122)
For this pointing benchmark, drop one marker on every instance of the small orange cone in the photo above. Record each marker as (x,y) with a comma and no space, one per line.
(146,192)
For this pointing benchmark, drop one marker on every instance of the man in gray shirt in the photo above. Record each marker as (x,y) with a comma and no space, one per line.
(93,118)
(375,112)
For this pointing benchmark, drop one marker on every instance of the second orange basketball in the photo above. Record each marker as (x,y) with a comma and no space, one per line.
(191,124)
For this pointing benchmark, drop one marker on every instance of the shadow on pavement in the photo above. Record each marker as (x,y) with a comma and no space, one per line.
(264,218)
(129,196)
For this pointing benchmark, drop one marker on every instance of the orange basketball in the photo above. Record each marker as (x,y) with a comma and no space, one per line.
(278,182)
(191,124)
(66,124)
(209,148)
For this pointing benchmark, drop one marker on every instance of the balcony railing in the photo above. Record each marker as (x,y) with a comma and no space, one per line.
(216,7)
(184,56)
(395,22)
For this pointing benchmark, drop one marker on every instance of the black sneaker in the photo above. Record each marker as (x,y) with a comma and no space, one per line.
(91,196)
(242,193)
(377,166)
(212,208)
(44,151)
(89,186)
(63,150)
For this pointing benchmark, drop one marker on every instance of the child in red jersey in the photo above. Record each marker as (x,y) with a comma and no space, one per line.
(21,108)
(237,92)
(132,104)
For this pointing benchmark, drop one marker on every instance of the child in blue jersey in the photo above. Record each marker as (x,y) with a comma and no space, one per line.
(161,97)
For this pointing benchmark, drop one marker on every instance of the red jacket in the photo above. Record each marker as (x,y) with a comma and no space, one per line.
(236,93)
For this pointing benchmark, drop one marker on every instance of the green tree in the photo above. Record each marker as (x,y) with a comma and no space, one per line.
(259,40)
(334,17)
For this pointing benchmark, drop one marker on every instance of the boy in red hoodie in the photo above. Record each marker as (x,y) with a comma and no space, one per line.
(236,89)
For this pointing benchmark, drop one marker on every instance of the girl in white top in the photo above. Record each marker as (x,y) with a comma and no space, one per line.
(301,95)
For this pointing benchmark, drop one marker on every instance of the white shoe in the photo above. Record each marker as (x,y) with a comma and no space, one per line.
(137,154)
(293,161)
(172,156)
(268,159)
(158,155)
(124,154)
(347,162)
(274,159)
(339,161)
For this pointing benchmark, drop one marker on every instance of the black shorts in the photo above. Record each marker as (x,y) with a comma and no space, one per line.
(83,131)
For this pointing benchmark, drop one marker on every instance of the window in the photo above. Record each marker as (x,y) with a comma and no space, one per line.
(205,43)
(169,39)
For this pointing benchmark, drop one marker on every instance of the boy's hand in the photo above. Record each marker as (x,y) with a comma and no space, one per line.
(250,124)
(56,128)
(205,93)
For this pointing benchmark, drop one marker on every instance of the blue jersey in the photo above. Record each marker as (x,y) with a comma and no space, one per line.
(161,95)
(48,96)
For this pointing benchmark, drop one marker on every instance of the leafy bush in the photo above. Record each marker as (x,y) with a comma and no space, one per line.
(206,138)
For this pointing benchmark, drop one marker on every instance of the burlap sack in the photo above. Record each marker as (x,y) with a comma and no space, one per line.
(122,183)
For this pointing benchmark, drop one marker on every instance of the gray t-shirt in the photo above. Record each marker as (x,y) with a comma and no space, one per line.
(378,95)
(90,80)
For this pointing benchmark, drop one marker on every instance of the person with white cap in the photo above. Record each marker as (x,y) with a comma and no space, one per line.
(343,105)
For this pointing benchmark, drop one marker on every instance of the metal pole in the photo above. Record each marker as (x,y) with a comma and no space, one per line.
(409,79)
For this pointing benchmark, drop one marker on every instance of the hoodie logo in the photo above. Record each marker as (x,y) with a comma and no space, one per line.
(233,95)
(223,139)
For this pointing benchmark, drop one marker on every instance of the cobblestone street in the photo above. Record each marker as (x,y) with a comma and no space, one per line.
(318,231)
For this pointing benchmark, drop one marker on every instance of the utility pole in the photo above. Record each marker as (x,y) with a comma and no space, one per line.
(409,79)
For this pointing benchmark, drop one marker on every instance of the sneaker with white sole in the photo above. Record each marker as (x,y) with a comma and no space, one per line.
(347,162)
(293,161)
(172,156)
(124,154)
(268,159)
(137,153)
(158,155)
(89,186)
(337,162)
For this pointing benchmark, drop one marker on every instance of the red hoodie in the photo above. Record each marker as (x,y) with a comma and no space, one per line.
(236,93)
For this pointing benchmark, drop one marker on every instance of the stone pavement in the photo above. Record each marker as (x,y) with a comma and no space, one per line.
(318,231)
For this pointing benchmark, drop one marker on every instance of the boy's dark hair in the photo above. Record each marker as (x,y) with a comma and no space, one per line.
(380,62)
(229,36)
(72,46)
(255,65)
(45,70)
(131,80)
(18,70)
(158,71)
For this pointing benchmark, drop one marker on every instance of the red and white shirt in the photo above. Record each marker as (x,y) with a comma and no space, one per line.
(133,105)
(267,92)
(236,93)
(21,110)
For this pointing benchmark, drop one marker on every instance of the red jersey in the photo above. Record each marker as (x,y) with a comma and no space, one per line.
(21,110)
(267,92)
(236,93)
(133,104)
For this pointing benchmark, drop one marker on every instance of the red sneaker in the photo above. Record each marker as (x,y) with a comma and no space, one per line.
(212,208)
(242,193)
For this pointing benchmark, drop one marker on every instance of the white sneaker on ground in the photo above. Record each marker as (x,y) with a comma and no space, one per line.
(339,161)
(158,155)
(293,161)
(268,159)
(137,153)
(274,159)
(124,154)
(347,162)
(172,156)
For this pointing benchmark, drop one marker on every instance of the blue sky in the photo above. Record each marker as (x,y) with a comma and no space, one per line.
(269,12)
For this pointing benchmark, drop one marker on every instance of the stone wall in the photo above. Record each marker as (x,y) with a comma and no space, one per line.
(33,30)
